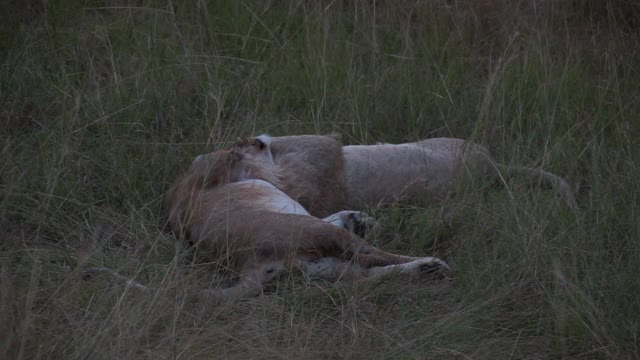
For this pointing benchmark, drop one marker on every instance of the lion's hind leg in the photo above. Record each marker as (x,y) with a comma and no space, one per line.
(333,268)
(421,266)
(367,256)
(348,246)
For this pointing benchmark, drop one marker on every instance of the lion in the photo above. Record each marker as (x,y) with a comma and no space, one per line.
(387,173)
(250,226)
(316,178)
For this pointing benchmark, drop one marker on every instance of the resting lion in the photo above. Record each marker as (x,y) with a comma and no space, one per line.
(314,177)
(252,227)
(385,173)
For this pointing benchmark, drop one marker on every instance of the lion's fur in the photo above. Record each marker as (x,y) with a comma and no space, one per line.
(231,220)
(386,173)
(474,155)
(383,174)
(314,177)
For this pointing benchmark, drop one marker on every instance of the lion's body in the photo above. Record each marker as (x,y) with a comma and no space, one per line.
(387,173)
(314,177)
(255,229)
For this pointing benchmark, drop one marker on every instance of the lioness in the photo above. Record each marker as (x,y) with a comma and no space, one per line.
(257,230)
(386,173)
(313,176)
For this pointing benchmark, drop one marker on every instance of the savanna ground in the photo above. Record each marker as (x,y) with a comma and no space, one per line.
(104,103)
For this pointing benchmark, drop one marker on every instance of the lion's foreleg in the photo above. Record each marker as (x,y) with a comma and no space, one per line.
(331,268)
(368,255)
(253,279)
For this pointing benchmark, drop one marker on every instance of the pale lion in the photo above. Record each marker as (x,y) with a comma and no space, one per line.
(315,177)
(387,173)
(255,229)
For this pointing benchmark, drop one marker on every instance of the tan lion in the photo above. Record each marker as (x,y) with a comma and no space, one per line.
(387,173)
(314,177)
(255,229)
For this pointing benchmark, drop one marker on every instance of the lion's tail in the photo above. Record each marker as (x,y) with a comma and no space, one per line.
(544,178)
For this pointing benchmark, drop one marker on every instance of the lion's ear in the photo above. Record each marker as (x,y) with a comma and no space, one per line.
(260,144)
(240,142)
(197,160)
(235,156)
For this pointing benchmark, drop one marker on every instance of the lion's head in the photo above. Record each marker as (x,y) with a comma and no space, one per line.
(258,149)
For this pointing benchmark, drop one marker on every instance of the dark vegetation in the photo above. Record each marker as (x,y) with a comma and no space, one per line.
(104,103)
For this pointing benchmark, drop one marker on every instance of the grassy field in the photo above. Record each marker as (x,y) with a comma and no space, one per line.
(104,103)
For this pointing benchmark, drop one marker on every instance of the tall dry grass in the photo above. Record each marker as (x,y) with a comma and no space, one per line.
(104,103)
